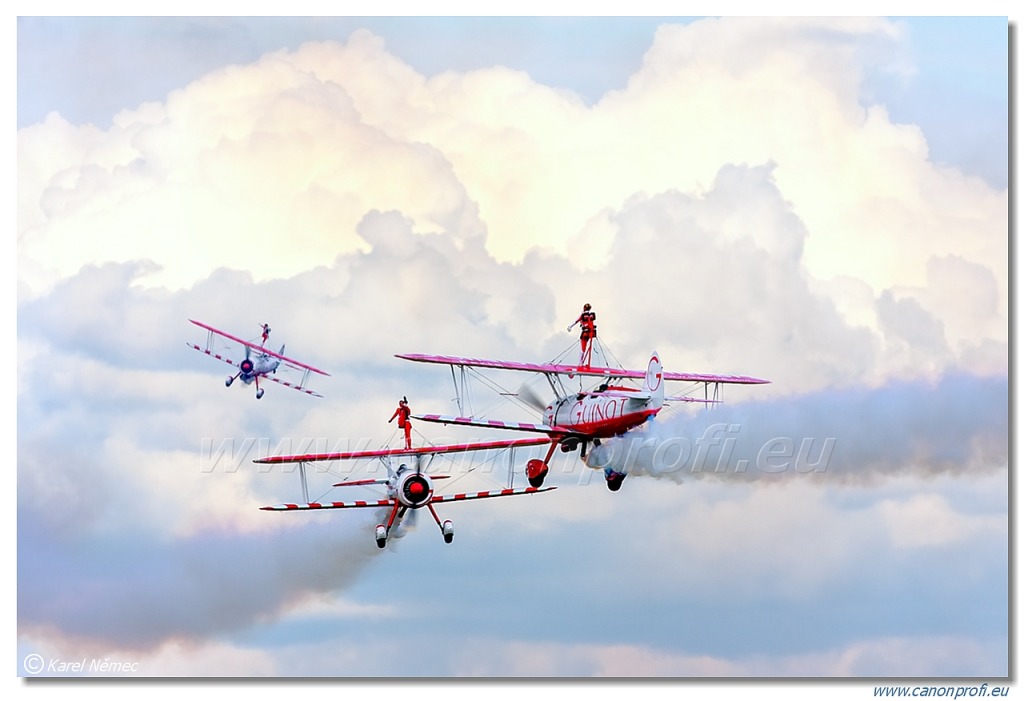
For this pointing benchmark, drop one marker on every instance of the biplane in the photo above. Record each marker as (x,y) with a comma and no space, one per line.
(408,487)
(258,363)
(576,418)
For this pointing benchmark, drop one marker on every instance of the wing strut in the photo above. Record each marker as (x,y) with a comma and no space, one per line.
(460,387)
(302,478)
(511,466)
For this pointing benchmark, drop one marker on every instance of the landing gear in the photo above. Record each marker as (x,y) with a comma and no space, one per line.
(259,393)
(447,528)
(380,533)
(231,378)
(536,471)
(613,479)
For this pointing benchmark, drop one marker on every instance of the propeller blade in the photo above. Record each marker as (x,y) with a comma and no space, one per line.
(530,396)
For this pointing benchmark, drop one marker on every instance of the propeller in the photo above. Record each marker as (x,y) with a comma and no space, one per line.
(412,518)
(246,364)
(530,396)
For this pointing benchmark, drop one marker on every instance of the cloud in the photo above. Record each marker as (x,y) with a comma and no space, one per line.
(293,149)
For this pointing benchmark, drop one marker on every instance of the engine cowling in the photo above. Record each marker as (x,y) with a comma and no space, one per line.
(246,366)
(415,489)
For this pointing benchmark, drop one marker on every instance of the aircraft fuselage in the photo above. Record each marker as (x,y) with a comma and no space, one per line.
(257,367)
(598,416)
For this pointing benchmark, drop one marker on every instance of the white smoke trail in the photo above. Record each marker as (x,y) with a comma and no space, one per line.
(958,425)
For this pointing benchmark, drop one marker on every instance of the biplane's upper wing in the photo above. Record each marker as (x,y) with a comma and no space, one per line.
(422,450)
(464,496)
(561,369)
(283,358)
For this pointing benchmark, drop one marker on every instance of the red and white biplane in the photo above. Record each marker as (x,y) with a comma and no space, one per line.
(252,367)
(408,488)
(575,418)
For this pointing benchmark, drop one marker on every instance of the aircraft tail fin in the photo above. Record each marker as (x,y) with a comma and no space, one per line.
(654,380)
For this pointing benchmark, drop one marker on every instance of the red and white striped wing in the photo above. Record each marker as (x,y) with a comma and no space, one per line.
(212,354)
(229,361)
(283,358)
(292,385)
(559,369)
(490,423)
(319,505)
(422,450)
(487,495)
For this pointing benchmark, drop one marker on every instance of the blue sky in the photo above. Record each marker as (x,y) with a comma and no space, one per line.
(821,202)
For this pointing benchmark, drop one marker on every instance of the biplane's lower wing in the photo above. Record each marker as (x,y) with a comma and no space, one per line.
(389,452)
(464,496)
(283,358)
(229,361)
(561,369)
(212,353)
(294,386)
(316,505)
(487,495)
(553,431)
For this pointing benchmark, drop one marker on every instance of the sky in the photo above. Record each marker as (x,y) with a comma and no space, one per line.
(822,202)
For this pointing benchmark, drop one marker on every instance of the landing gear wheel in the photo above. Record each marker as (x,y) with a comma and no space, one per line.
(259,393)
(536,471)
(614,480)
(381,534)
